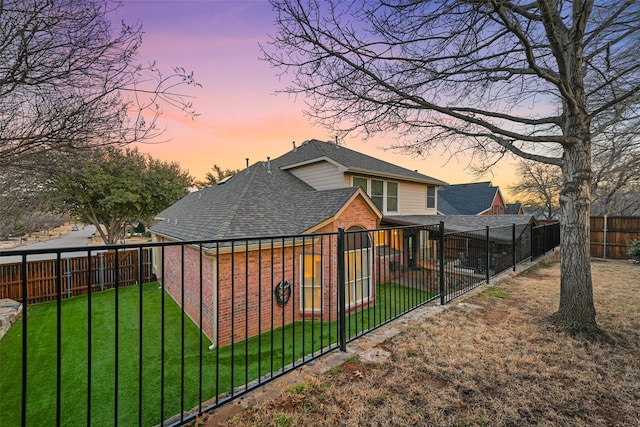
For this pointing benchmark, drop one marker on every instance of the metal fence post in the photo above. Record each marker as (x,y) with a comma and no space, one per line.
(441,257)
(488,253)
(513,245)
(25,330)
(341,291)
(531,241)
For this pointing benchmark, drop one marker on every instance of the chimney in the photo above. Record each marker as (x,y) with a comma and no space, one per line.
(268,164)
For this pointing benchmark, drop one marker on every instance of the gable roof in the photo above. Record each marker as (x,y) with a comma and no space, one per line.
(466,199)
(513,208)
(347,160)
(261,200)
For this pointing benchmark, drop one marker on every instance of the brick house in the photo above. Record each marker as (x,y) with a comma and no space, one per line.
(308,193)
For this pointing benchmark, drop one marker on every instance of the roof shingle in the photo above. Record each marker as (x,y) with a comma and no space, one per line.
(352,161)
(466,199)
(259,201)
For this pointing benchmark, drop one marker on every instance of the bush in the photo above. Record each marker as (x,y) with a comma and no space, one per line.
(634,250)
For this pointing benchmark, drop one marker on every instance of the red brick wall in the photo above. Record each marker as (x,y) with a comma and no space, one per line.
(172,281)
(246,280)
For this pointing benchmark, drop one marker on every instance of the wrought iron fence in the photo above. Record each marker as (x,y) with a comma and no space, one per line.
(544,238)
(211,320)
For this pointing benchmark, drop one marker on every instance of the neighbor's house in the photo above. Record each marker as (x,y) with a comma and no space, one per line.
(478,198)
(514,209)
(313,189)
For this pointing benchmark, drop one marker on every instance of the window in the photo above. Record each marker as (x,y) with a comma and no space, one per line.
(360,182)
(431,197)
(392,196)
(383,193)
(377,193)
(311,285)
(357,264)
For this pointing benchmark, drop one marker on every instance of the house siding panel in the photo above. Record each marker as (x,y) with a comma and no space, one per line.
(412,200)
(321,175)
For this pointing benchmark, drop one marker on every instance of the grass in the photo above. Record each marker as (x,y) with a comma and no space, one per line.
(495,292)
(489,362)
(252,358)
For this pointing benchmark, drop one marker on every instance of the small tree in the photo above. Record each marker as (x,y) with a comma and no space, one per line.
(634,250)
(110,188)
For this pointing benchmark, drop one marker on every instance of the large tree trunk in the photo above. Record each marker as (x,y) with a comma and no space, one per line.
(576,313)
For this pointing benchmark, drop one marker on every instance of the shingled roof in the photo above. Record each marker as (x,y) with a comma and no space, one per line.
(347,160)
(259,201)
(513,208)
(466,199)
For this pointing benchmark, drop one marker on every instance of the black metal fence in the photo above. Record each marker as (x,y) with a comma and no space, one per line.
(471,258)
(544,238)
(224,317)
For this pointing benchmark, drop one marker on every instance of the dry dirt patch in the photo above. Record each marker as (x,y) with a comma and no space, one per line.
(489,361)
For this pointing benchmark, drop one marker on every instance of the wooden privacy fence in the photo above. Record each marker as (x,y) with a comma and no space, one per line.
(101,270)
(611,236)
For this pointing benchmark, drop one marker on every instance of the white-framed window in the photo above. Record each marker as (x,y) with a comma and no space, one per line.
(383,193)
(361,182)
(392,196)
(311,283)
(358,264)
(431,196)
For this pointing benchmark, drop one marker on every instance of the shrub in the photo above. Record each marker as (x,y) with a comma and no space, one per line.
(634,250)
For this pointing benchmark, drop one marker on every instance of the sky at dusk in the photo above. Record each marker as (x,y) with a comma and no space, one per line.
(240,116)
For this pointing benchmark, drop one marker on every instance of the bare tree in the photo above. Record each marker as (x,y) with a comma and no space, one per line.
(539,80)
(22,197)
(616,180)
(539,187)
(68,80)
(615,187)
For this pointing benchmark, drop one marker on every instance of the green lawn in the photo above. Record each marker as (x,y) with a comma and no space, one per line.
(392,299)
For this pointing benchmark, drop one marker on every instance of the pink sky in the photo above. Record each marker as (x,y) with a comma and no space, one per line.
(240,116)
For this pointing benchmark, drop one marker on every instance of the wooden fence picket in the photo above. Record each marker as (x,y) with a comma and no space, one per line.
(74,273)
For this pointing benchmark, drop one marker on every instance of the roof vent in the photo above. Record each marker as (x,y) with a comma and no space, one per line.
(294,146)
(175,221)
(269,164)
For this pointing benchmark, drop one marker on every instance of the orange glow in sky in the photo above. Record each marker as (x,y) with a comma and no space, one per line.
(240,117)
